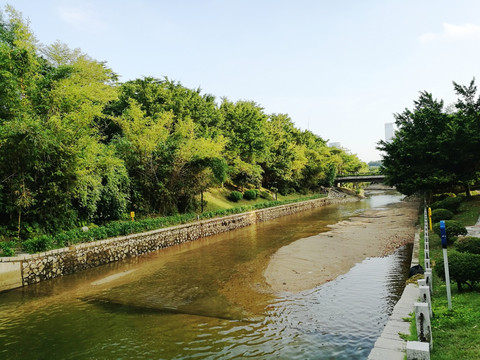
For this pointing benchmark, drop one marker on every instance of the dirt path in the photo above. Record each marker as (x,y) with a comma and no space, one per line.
(312,261)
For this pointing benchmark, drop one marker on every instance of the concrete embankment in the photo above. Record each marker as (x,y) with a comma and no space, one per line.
(390,345)
(30,269)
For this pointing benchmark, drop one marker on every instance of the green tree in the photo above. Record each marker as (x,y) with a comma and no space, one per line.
(166,155)
(462,137)
(244,124)
(52,159)
(285,158)
(434,150)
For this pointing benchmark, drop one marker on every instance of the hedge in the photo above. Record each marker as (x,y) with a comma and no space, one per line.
(250,194)
(450,203)
(235,196)
(441,214)
(468,244)
(464,268)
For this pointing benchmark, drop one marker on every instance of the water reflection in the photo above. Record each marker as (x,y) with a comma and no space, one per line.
(206,300)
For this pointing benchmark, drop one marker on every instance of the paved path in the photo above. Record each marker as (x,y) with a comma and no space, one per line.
(390,345)
(474,230)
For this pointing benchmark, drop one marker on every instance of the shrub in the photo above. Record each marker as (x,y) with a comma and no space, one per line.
(266,195)
(450,203)
(441,214)
(452,229)
(118,228)
(250,194)
(464,268)
(62,239)
(235,196)
(439,197)
(38,244)
(7,248)
(468,244)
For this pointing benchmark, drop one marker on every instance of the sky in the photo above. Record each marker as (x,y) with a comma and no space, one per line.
(340,69)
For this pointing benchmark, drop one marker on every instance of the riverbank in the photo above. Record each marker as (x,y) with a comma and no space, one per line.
(30,269)
(315,260)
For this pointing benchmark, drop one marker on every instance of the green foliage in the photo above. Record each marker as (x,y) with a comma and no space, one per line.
(452,329)
(38,244)
(265,195)
(464,268)
(452,229)
(331,175)
(244,123)
(7,248)
(468,244)
(434,149)
(235,196)
(442,196)
(441,214)
(449,203)
(77,147)
(121,228)
(52,156)
(250,194)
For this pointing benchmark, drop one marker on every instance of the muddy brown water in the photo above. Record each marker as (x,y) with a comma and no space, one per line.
(207,300)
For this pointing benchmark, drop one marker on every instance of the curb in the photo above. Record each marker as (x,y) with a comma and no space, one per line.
(390,345)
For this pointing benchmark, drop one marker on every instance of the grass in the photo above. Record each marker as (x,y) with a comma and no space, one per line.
(220,205)
(456,333)
(217,199)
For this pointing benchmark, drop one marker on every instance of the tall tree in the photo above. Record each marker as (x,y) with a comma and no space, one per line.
(168,155)
(52,165)
(433,149)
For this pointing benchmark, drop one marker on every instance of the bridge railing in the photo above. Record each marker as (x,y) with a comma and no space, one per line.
(371,173)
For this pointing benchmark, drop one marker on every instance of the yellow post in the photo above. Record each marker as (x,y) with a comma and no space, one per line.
(132,215)
(429,219)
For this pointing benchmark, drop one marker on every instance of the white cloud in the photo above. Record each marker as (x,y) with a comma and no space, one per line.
(465,31)
(453,32)
(81,19)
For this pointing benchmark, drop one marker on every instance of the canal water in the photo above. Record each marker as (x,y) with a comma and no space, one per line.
(208,300)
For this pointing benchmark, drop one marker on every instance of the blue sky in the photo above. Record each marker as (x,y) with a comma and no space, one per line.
(339,68)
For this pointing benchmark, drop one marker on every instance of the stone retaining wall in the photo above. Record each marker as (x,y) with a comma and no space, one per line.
(30,269)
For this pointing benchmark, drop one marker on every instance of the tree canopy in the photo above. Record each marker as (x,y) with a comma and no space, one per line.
(435,149)
(77,146)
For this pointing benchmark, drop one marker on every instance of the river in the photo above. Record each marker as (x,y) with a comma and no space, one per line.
(207,300)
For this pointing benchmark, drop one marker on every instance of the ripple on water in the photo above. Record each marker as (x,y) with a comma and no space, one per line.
(339,320)
(342,318)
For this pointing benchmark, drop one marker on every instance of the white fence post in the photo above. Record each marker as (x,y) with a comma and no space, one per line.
(417,350)
(425,297)
(427,263)
(429,278)
(422,318)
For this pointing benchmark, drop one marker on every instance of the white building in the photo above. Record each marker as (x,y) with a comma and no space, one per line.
(335,144)
(389,131)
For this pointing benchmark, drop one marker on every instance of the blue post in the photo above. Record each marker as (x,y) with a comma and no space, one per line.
(443,235)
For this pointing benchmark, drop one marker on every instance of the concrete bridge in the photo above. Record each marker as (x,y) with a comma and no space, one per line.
(359,178)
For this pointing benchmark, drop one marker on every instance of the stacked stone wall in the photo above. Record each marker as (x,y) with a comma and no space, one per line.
(54,263)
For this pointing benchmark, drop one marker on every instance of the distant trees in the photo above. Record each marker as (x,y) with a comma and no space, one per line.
(434,149)
(77,147)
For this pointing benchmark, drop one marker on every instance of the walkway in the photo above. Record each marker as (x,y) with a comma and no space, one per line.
(474,230)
